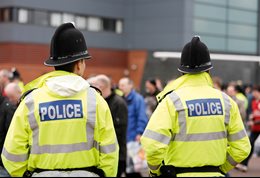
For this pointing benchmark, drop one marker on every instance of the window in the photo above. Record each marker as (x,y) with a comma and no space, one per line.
(55,19)
(81,22)
(209,27)
(216,43)
(209,12)
(242,31)
(5,15)
(227,25)
(239,45)
(94,24)
(23,16)
(68,18)
(109,25)
(40,18)
(242,17)
(119,26)
(215,2)
(244,4)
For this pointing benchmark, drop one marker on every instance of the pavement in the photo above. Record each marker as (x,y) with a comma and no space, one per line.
(253,169)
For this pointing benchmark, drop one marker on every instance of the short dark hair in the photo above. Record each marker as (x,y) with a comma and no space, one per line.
(152,81)
(68,67)
(256,88)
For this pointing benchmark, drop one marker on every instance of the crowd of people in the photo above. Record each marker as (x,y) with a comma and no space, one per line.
(132,110)
(247,98)
(10,93)
(121,107)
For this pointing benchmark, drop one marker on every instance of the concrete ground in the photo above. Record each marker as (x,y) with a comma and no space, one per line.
(253,169)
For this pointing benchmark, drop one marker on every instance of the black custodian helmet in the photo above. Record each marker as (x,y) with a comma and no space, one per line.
(67,45)
(195,57)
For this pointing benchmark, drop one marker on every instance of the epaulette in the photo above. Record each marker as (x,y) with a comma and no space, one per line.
(161,98)
(25,94)
(97,89)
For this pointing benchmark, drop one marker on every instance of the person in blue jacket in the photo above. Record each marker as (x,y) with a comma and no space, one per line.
(137,118)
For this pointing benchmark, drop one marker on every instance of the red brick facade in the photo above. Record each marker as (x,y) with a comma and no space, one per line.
(28,59)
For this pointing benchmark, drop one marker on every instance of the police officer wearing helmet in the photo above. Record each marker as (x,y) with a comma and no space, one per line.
(196,130)
(62,127)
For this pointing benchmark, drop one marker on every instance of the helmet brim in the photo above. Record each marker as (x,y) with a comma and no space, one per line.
(60,62)
(187,70)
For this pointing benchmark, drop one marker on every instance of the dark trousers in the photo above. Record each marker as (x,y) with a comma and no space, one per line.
(121,168)
(134,174)
(253,137)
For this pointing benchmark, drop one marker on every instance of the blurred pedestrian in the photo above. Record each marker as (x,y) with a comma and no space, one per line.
(62,127)
(196,130)
(137,119)
(240,94)
(250,97)
(6,113)
(118,108)
(217,82)
(5,76)
(151,91)
(16,78)
(254,124)
(13,93)
(232,92)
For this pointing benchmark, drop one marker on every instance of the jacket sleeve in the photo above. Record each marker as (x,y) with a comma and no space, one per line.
(109,150)
(157,135)
(238,142)
(141,115)
(16,146)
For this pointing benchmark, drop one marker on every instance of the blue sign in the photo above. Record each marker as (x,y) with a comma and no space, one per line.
(204,107)
(62,109)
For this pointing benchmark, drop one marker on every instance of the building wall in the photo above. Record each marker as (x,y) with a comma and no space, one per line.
(149,25)
(29,58)
(111,8)
(112,53)
(157,25)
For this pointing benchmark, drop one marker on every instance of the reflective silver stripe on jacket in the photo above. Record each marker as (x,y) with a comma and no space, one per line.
(152,167)
(182,135)
(200,136)
(157,136)
(68,148)
(14,157)
(237,136)
(181,112)
(227,106)
(231,160)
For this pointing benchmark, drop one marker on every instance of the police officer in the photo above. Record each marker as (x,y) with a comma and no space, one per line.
(63,127)
(196,130)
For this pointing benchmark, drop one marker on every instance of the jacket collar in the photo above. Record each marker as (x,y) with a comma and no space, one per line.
(40,81)
(199,79)
(131,95)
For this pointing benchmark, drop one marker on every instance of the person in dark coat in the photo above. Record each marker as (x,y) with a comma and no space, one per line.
(118,108)
(6,113)
(150,98)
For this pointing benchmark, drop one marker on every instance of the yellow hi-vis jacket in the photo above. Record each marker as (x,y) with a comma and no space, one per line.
(64,124)
(194,126)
